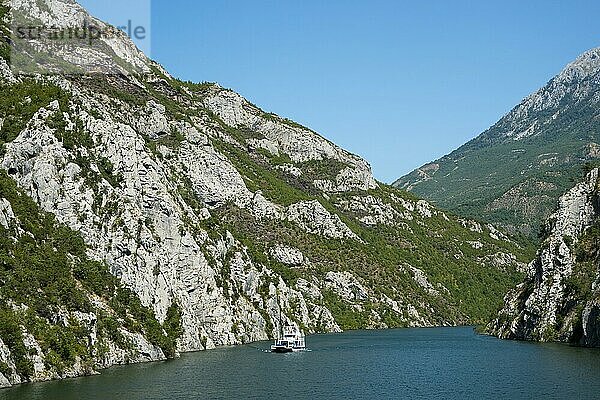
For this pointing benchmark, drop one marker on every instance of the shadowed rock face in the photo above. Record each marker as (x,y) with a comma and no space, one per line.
(191,195)
(513,173)
(559,299)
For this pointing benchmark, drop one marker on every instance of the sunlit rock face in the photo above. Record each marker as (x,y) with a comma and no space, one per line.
(559,299)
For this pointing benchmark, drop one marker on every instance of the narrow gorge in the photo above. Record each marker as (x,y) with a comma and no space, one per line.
(143,216)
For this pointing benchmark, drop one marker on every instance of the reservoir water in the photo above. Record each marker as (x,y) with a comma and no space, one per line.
(437,363)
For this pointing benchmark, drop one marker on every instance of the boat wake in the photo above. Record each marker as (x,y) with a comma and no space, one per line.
(262,350)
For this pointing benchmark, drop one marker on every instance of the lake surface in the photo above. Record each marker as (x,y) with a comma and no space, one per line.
(442,363)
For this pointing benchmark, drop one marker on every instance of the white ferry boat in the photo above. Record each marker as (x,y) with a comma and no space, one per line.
(291,340)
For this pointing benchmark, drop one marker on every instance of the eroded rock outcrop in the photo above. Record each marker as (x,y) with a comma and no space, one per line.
(559,299)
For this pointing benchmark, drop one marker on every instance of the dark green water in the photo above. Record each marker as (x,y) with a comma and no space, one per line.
(440,363)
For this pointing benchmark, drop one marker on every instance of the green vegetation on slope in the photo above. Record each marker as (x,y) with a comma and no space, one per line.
(475,290)
(45,273)
(515,183)
(579,286)
(258,174)
(4,33)
(19,102)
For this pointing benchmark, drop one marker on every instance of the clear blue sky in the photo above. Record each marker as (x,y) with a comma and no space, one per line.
(397,82)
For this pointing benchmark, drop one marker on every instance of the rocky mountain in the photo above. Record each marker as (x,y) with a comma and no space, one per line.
(220,222)
(513,173)
(62,313)
(560,297)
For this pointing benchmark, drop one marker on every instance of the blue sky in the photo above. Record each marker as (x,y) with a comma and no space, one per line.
(398,82)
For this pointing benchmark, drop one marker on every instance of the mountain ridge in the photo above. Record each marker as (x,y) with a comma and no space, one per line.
(513,173)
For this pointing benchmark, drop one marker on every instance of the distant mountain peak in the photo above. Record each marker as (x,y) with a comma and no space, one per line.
(540,144)
(576,79)
(586,64)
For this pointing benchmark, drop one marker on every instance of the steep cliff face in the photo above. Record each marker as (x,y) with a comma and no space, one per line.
(62,314)
(191,196)
(513,173)
(560,298)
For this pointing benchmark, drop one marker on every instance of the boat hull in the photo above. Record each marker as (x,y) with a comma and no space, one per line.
(281,350)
